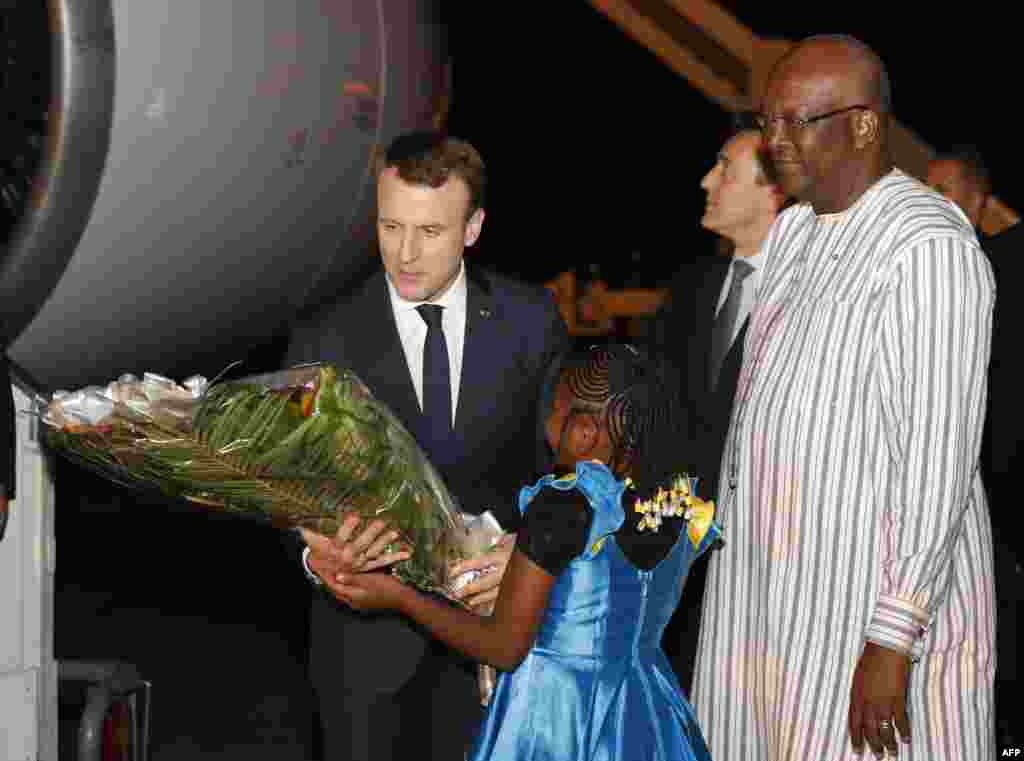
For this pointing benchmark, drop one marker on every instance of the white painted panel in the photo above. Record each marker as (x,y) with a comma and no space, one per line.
(18,706)
(28,682)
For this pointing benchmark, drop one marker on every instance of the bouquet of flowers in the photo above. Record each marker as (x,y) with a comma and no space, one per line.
(295,447)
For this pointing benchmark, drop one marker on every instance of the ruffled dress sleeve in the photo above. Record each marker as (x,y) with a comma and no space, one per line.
(569,517)
(554,529)
(572,516)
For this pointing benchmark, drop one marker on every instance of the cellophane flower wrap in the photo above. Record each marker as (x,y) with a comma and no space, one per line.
(293,447)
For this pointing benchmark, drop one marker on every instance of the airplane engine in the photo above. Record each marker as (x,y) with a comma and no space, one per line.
(196,172)
(177,179)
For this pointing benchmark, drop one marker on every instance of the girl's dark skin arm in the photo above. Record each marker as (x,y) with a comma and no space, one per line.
(502,639)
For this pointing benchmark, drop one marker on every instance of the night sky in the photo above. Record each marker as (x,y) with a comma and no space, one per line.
(595,149)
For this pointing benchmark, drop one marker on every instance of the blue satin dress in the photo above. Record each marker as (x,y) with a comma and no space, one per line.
(596,685)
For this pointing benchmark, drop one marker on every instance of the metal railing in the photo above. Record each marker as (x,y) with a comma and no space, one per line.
(109,682)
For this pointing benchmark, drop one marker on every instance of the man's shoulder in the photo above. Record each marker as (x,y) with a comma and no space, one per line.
(704,269)
(514,294)
(917,212)
(524,313)
(507,286)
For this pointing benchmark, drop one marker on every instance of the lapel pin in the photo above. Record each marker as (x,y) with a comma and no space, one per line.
(485,313)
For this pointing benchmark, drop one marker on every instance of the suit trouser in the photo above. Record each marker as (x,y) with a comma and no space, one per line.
(365,718)
(437,710)
(356,728)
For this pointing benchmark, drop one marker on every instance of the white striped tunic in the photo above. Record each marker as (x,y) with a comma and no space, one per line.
(851,503)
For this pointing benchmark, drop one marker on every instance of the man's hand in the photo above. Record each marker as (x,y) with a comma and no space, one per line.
(368,591)
(878,700)
(484,590)
(348,552)
(4,507)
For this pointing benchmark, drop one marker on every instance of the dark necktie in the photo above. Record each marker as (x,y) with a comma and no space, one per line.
(725,323)
(437,387)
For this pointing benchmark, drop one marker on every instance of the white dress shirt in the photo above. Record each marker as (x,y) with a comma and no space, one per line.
(749,294)
(412,331)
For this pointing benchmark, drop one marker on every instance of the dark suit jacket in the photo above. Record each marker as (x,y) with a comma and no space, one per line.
(681,330)
(513,331)
(1004,420)
(1002,449)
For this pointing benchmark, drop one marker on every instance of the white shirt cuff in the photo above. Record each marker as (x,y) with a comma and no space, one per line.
(305,567)
(897,624)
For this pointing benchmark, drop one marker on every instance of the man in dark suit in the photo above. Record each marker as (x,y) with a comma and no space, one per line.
(961,176)
(459,355)
(1002,451)
(703,324)
(7,445)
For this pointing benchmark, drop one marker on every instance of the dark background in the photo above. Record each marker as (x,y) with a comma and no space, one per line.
(595,151)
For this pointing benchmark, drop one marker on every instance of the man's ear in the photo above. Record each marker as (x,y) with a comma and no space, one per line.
(474,226)
(866,128)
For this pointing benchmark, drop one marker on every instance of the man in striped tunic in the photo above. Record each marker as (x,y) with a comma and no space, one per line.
(851,608)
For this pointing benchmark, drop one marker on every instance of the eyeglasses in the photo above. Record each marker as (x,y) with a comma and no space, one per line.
(764,123)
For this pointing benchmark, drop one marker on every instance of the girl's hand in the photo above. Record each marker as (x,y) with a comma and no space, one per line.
(369,591)
(481,593)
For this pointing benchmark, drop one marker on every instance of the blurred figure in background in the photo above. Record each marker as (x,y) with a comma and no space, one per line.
(703,323)
(962,177)
(1002,458)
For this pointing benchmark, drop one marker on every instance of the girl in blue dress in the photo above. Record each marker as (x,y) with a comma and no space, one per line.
(577,626)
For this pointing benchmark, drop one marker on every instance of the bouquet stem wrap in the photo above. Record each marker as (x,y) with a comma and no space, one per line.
(296,447)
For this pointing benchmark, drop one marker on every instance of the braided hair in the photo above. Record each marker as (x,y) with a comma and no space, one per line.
(649,424)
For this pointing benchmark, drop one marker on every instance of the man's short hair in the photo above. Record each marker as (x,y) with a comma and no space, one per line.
(746,121)
(429,158)
(969,158)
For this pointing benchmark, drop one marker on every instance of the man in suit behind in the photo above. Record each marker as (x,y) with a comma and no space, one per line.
(962,177)
(459,355)
(1002,456)
(703,324)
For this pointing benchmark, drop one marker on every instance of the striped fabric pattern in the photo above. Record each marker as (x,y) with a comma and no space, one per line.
(850,499)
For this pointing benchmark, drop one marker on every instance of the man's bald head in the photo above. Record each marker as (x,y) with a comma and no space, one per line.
(825,117)
(864,72)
